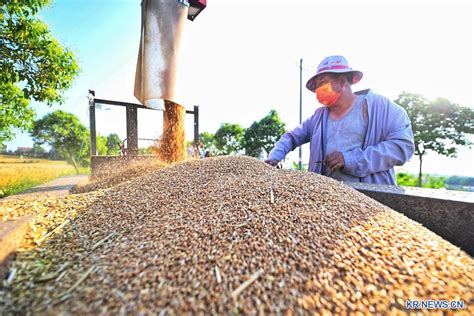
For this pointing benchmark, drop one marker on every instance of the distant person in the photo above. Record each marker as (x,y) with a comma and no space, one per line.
(200,150)
(354,137)
(190,152)
(196,150)
(123,150)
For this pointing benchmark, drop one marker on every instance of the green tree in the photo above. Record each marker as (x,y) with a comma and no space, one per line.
(85,154)
(209,142)
(38,151)
(434,182)
(146,150)
(229,138)
(439,125)
(83,157)
(101,145)
(406,179)
(33,65)
(65,133)
(261,136)
(429,181)
(304,167)
(112,144)
(3,148)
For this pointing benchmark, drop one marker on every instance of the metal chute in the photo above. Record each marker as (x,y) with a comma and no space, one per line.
(162,26)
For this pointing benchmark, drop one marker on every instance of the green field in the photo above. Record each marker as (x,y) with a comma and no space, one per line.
(20,173)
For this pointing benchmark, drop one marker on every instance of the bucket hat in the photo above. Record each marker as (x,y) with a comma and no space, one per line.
(334,64)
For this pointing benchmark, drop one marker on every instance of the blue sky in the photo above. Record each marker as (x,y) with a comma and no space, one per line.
(239,59)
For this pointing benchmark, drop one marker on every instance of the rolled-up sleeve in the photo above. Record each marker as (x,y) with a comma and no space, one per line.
(292,139)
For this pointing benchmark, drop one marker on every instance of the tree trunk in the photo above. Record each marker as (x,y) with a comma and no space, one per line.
(419,173)
(74,163)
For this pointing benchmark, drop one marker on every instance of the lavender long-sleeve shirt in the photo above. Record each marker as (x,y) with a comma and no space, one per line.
(388,141)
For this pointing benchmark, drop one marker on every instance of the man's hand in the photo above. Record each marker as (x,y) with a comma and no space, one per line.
(335,161)
(272,162)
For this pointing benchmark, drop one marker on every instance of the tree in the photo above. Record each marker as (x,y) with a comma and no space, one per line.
(3,148)
(406,179)
(229,138)
(438,125)
(100,145)
(429,181)
(434,182)
(38,151)
(261,136)
(209,142)
(65,133)
(33,65)
(146,150)
(83,158)
(112,144)
(296,166)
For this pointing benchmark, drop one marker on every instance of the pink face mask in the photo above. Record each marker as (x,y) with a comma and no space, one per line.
(326,95)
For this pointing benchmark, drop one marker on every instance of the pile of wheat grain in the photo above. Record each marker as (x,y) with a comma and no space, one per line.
(118,172)
(232,235)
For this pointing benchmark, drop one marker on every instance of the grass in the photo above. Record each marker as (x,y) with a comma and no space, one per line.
(18,174)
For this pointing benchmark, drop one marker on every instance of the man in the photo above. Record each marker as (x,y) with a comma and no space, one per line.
(355,137)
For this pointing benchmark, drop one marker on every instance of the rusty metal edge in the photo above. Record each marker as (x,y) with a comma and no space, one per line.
(12,234)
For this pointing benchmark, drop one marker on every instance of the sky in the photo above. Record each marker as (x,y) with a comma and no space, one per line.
(240,59)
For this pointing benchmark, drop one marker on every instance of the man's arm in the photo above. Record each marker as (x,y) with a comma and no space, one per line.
(292,139)
(396,148)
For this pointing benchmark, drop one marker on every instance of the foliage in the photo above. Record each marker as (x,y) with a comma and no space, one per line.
(15,111)
(429,181)
(18,174)
(83,158)
(84,153)
(100,145)
(209,142)
(229,139)
(257,140)
(65,133)
(460,180)
(38,151)
(406,179)
(33,65)
(295,165)
(438,125)
(112,144)
(434,182)
(146,151)
(261,136)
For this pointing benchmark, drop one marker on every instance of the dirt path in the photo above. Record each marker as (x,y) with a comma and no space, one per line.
(12,232)
(58,187)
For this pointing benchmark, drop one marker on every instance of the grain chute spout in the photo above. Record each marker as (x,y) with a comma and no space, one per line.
(162,23)
(162,26)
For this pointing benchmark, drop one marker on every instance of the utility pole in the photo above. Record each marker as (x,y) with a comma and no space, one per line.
(301,110)
(92,123)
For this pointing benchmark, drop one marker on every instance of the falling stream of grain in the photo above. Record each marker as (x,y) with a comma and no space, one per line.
(172,144)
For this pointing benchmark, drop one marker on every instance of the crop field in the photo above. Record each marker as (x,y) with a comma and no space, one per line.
(18,174)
